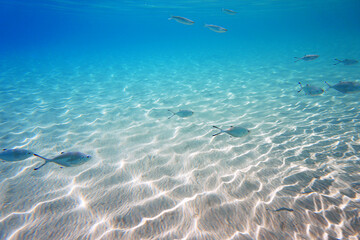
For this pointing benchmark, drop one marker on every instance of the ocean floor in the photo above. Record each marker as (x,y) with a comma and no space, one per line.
(151,177)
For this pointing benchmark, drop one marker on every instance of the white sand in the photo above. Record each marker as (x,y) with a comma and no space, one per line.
(154,178)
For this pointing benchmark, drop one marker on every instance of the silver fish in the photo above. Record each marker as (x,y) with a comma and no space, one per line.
(311,90)
(181,113)
(69,159)
(14,155)
(228,11)
(215,28)
(182,20)
(346,61)
(307,57)
(346,87)
(233,131)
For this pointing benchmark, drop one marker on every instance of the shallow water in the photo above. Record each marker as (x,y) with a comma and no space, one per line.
(102,84)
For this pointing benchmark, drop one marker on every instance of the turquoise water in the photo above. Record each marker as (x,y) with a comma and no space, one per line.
(99,77)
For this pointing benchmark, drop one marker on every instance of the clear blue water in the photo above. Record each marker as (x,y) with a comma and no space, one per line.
(99,77)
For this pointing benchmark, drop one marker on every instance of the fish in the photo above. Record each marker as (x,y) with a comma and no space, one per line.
(15,155)
(69,159)
(228,11)
(215,28)
(311,90)
(233,131)
(182,20)
(346,61)
(281,209)
(346,87)
(181,113)
(307,57)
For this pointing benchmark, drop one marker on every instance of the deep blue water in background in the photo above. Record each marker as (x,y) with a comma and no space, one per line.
(70,28)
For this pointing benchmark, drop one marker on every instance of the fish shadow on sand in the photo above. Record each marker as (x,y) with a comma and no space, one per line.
(15,155)
(234,131)
(346,87)
(346,61)
(181,113)
(69,159)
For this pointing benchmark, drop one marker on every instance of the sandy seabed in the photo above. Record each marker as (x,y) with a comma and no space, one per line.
(151,177)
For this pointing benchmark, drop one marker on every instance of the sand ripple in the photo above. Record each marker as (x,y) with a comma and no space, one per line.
(154,178)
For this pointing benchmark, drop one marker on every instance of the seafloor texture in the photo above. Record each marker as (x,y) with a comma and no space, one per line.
(157,178)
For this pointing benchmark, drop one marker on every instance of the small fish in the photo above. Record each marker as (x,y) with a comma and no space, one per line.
(233,131)
(182,20)
(69,159)
(346,87)
(215,28)
(181,113)
(311,90)
(307,58)
(346,61)
(281,209)
(14,155)
(228,11)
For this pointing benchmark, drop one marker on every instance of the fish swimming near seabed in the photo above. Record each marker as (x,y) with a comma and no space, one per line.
(281,209)
(215,28)
(181,113)
(182,20)
(69,159)
(307,57)
(233,131)
(346,61)
(16,154)
(311,90)
(346,87)
(229,11)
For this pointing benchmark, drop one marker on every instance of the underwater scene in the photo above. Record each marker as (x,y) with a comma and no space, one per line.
(181,119)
